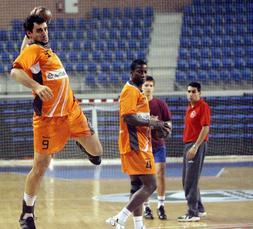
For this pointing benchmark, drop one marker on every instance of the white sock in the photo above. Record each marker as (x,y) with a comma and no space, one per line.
(161,200)
(29,200)
(138,222)
(123,215)
(146,204)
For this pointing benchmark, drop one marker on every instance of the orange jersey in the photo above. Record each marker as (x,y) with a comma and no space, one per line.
(133,138)
(45,67)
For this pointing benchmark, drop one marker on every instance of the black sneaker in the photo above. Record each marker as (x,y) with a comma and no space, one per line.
(148,213)
(161,213)
(96,160)
(188,218)
(27,223)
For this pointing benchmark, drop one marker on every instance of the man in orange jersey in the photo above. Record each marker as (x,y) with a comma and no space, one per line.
(57,115)
(135,146)
(197,122)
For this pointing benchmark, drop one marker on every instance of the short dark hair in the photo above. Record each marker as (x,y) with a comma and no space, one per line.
(195,84)
(150,78)
(30,20)
(136,63)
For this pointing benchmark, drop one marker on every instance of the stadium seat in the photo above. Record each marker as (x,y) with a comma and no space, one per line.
(114,78)
(97,55)
(106,13)
(71,23)
(80,67)
(149,12)
(84,56)
(90,80)
(116,23)
(92,67)
(101,45)
(105,67)
(125,77)
(118,66)
(120,55)
(195,53)
(73,56)
(108,55)
(103,79)
(138,12)
(117,13)
(112,44)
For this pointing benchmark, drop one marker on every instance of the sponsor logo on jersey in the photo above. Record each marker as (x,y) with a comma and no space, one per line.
(56,74)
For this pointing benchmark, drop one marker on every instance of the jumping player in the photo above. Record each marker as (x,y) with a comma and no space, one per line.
(135,146)
(57,114)
(159,109)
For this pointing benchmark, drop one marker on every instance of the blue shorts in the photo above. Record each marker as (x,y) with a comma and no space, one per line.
(160,154)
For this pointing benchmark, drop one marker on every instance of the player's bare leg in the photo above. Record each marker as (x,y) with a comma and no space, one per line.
(92,147)
(32,184)
(160,176)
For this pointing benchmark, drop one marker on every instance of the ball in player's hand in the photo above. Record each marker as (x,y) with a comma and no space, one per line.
(43,12)
(164,131)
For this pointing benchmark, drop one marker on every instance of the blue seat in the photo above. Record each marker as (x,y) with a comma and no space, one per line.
(125,33)
(69,34)
(117,12)
(236,75)
(202,76)
(62,55)
(114,78)
(80,67)
(92,34)
(240,62)
(141,54)
(5,57)
(133,44)
(195,53)
(116,23)
(106,13)
(240,52)
(184,53)
(138,12)
(88,45)
(95,13)
(105,67)
(120,55)
(65,45)
(228,63)
(102,79)
(238,40)
(205,63)
(247,74)
(127,22)
(196,42)
(81,23)
(205,53)
(249,51)
(106,23)
(101,44)
(191,76)
(73,56)
(213,75)
(249,62)
(76,45)
(68,67)
(118,66)
(71,23)
(131,54)
(84,56)
(149,12)
(90,79)
(92,67)
(147,22)
(128,12)
(183,64)
(248,40)
(180,76)
(206,42)
(216,63)
(60,23)
(193,64)
(136,33)
(225,75)
(124,77)
(114,34)
(108,55)
(122,44)
(97,56)
(143,44)
(138,23)
(112,44)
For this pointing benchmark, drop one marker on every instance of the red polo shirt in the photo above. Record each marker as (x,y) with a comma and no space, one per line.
(195,118)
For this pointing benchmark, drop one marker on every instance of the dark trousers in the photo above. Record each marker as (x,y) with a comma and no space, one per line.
(191,174)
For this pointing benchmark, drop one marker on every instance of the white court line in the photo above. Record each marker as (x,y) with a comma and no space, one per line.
(220,172)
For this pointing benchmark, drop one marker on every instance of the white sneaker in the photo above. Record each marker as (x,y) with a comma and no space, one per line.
(113,221)
(202,214)
(188,218)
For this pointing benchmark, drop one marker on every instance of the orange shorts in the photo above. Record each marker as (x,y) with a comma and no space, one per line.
(51,134)
(138,163)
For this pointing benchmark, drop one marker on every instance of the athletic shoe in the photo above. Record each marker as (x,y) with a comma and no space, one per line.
(188,218)
(161,213)
(27,223)
(113,221)
(148,213)
(96,160)
(202,214)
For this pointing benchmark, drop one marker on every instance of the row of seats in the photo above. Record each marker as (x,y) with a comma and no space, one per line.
(215,63)
(210,9)
(215,41)
(215,52)
(117,12)
(235,75)
(207,30)
(216,20)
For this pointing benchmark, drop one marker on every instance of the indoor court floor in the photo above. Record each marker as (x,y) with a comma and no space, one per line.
(73,197)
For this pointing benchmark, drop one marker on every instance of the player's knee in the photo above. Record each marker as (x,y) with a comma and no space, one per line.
(135,186)
(151,187)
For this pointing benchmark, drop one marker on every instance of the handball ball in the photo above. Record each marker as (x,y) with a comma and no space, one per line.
(43,12)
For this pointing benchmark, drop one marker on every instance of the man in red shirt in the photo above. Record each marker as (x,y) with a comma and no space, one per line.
(197,122)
